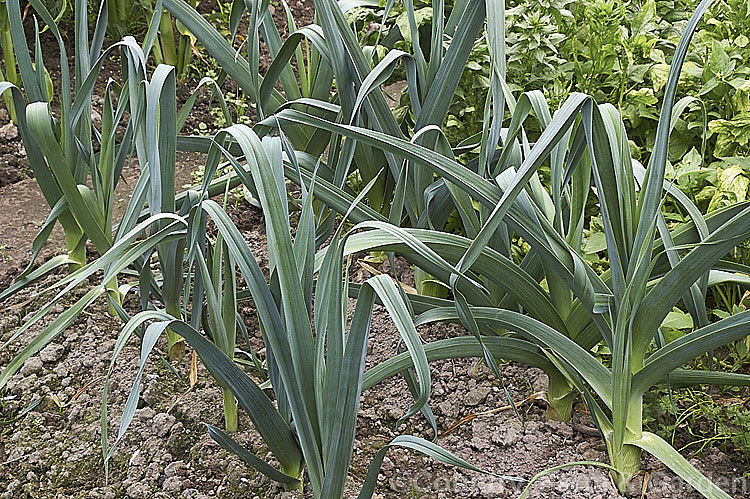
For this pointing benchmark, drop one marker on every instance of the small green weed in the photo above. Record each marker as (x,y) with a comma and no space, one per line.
(692,420)
(4,255)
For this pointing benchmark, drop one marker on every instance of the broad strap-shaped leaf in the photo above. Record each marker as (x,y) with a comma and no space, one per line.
(311,33)
(352,370)
(665,453)
(688,347)
(229,444)
(584,364)
(274,430)
(501,347)
(693,377)
(582,279)
(500,270)
(650,198)
(425,447)
(276,333)
(40,126)
(670,288)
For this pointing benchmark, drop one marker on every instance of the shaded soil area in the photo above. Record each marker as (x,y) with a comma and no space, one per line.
(13,165)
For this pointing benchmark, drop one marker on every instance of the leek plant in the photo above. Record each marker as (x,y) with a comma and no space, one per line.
(122,15)
(166,51)
(328,51)
(316,373)
(432,75)
(119,17)
(66,151)
(432,79)
(151,131)
(217,272)
(9,72)
(651,267)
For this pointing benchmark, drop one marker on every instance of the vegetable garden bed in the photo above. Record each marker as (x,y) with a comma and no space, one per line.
(124,359)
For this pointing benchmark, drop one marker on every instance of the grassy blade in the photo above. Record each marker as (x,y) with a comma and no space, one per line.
(671,458)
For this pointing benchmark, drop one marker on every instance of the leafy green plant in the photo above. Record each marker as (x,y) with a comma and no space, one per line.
(699,420)
(242,110)
(535,41)
(9,72)
(316,375)
(650,266)
(65,151)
